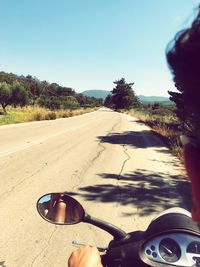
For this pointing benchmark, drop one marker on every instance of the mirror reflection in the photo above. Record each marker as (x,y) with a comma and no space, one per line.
(60,208)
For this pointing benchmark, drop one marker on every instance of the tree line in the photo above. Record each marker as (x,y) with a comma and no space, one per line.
(27,90)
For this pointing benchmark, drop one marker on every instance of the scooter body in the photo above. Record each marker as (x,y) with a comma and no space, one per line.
(171,239)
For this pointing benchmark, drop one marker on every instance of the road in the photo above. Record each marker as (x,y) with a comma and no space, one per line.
(109,161)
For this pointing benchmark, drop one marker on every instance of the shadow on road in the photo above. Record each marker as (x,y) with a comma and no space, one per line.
(140,139)
(2,264)
(150,192)
(174,162)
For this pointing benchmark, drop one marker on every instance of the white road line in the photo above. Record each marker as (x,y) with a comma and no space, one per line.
(33,143)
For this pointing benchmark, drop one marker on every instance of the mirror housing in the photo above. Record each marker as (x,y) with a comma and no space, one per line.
(60,208)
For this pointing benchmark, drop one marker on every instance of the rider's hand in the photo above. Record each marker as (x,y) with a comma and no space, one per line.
(85,257)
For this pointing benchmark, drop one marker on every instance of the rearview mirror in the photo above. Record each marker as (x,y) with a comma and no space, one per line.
(60,208)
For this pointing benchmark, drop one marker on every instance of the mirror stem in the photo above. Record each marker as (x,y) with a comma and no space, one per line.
(116,232)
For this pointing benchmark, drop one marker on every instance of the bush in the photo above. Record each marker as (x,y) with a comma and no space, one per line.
(50,116)
(37,114)
(65,114)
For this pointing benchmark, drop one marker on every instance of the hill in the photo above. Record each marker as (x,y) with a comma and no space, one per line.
(96,93)
(144,99)
(154,99)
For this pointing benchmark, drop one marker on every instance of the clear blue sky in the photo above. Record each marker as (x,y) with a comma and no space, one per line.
(87,44)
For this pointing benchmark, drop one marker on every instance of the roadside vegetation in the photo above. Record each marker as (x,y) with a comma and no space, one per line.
(25,99)
(163,121)
(36,113)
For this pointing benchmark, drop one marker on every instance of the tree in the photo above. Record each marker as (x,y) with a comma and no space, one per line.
(43,93)
(5,95)
(123,96)
(34,87)
(12,94)
(187,110)
(19,96)
(156,105)
(71,102)
(108,101)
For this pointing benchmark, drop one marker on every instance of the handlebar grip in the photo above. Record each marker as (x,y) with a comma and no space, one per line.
(110,263)
(104,260)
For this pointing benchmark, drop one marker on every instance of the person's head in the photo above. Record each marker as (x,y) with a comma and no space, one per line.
(183,56)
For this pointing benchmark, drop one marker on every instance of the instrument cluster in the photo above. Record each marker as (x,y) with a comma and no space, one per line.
(174,249)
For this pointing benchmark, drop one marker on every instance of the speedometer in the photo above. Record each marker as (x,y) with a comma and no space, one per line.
(194,247)
(169,250)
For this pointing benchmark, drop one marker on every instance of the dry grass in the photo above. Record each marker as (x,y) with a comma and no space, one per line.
(30,113)
(165,126)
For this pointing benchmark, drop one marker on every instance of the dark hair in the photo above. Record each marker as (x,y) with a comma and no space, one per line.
(183,56)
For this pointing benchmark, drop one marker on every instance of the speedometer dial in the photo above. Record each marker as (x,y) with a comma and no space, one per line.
(169,250)
(194,247)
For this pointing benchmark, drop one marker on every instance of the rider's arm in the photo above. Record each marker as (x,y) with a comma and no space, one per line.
(85,257)
(60,212)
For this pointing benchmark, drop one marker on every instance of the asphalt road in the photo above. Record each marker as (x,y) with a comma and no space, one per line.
(112,163)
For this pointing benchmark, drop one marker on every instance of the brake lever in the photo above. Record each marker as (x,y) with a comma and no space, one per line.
(100,249)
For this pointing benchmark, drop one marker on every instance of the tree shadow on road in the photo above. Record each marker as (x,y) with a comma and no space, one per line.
(149,191)
(140,139)
(175,162)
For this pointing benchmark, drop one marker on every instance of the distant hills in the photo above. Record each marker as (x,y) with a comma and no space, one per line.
(144,99)
(154,99)
(96,93)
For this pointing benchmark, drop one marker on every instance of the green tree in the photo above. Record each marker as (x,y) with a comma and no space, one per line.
(71,102)
(81,99)
(123,96)
(5,95)
(52,102)
(156,106)
(43,93)
(12,94)
(8,77)
(108,101)
(19,95)
(33,86)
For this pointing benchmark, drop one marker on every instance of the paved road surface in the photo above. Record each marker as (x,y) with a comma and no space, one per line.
(110,162)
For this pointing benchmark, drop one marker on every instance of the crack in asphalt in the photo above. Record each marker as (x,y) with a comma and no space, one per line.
(80,177)
(20,182)
(43,250)
(35,173)
(125,161)
(125,150)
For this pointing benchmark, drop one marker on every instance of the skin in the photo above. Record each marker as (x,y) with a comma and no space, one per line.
(57,209)
(85,257)
(60,212)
